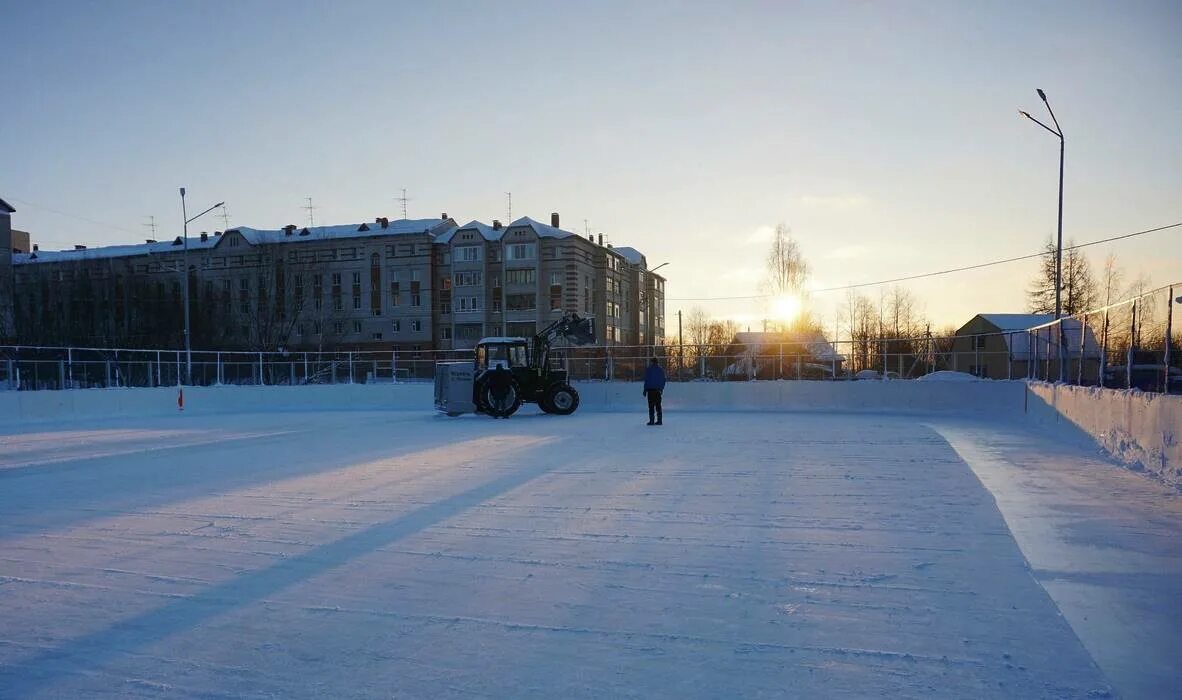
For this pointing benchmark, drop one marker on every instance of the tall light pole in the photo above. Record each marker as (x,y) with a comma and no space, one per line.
(1057,131)
(185,282)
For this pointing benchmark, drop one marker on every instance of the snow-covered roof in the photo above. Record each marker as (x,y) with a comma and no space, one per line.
(1017,322)
(486,232)
(319,233)
(632,255)
(114,251)
(252,236)
(542,230)
(5,207)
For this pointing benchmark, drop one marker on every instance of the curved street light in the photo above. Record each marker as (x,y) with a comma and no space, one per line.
(185,283)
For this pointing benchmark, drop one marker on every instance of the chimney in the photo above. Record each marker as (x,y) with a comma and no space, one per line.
(590,238)
(378,220)
(288,230)
(601,239)
(79,247)
(443,216)
(204,236)
(496,225)
(384,222)
(554,219)
(149,240)
(36,248)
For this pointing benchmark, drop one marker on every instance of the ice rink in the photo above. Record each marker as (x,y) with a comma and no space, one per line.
(403,554)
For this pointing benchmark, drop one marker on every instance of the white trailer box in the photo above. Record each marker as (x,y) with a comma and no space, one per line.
(453,387)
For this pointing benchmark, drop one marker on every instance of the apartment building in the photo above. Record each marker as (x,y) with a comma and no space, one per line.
(407,284)
(7,276)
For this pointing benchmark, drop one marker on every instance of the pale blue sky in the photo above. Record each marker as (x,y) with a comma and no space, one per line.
(885,134)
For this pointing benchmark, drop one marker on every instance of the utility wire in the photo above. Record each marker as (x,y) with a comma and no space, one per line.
(74,216)
(938,272)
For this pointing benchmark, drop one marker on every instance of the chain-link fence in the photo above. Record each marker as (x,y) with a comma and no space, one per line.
(1126,344)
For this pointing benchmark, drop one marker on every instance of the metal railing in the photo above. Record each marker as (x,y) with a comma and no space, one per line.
(1125,344)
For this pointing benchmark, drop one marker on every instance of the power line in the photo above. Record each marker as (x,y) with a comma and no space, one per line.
(74,216)
(948,271)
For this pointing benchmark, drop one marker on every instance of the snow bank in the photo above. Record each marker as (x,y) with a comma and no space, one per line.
(978,398)
(1144,431)
(945,375)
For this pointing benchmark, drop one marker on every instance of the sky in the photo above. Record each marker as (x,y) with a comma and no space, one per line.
(884,134)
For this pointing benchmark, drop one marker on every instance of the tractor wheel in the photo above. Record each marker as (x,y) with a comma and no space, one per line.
(561,399)
(490,406)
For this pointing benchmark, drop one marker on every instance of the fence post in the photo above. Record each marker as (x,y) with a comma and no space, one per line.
(1132,342)
(394,365)
(375,371)
(262,379)
(1062,345)
(1169,337)
(218,368)
(1008,339)
(178,367)
(780,371)
(1104,349)
(61,374)
(977,355)
(11,375)
(305,366)
(350,366)
(291,374)
(1032,356)
(108,373)
(1083,334)
(70,366)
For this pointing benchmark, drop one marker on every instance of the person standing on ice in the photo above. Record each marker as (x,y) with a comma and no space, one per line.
(500,383)
(654,384)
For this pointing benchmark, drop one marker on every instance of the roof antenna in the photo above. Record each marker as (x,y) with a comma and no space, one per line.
(152,225)
(509,212)
(310,208)
(403,199)
(225,217)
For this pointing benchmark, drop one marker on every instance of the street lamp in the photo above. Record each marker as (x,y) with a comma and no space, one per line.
(1057,131)
(185,283)
(658,267)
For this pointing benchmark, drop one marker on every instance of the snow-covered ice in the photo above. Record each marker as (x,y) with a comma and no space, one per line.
(402,554)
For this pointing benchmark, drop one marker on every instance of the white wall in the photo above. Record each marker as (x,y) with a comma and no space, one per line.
(968,398)
(1144,431)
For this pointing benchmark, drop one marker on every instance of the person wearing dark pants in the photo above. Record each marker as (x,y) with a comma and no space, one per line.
(654,385)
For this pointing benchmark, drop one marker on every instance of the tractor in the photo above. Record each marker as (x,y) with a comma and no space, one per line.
(464,387)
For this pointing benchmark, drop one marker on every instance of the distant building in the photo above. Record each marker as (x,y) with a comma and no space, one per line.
(997,346)
(7,274)
(408,284)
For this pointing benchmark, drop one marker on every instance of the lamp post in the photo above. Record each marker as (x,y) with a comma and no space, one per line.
(185,282)
(1057,131)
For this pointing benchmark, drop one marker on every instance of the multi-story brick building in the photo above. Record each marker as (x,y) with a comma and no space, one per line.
(409,284)
(7,277)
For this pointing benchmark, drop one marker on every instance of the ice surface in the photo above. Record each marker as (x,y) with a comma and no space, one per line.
(368,554)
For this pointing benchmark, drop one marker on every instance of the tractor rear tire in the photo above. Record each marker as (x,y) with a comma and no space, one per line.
(489,406)
(560,399)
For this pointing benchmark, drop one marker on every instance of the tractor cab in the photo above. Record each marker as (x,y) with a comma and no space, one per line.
(510,353)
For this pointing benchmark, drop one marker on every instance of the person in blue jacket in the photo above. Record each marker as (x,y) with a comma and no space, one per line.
(654,384)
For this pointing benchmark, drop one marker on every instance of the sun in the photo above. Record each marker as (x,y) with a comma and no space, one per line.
(786,307)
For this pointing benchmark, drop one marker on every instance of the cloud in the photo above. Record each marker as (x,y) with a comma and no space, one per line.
(847,252)
(834,201)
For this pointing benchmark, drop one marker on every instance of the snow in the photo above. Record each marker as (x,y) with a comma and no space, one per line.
(542,230)
(1140,430)
(1017,322)
(948,376)
(632,255)
(840,539)
(253,236)
(486,232)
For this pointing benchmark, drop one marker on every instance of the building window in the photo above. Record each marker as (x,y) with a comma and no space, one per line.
(395,296)
(979,342)
(416,326)
(445,333)
(300,329)
(522,251)
(337,303)
(233,242)
(467,253)
(376,336)
(469,279)
(357,326)
(397,326)
(338,328)
(524,276)
(521,302)
(555,279)
(316,328)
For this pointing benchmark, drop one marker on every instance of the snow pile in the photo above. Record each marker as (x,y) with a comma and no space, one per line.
(949,376)
(1144,431)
